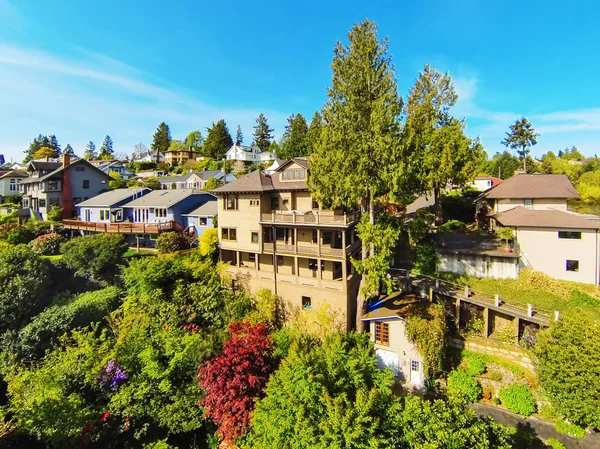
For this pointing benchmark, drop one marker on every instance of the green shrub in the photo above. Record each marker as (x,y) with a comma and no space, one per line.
(46,244)
(170,242)
(209,243)
(95,256)
(15,234)
(79,311)
(555,444)
(505,234)
(474,366)
(518,399)
(463,386)
(452,226)
(572,430)
(425,259)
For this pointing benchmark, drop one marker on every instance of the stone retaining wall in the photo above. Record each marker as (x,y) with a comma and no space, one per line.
(511,353)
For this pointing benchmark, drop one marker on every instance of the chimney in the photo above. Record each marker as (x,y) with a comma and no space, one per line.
(66,160)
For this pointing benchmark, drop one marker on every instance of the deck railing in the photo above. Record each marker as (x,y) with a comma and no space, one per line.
(310,218)
(312,250)
(123,228)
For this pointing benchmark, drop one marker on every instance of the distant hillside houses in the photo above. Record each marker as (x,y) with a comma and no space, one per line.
(251,154)
(149,156)
(194,180)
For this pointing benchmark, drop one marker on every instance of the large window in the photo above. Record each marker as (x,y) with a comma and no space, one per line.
(293,174)
(228,234)
(327,237)
(104,215)
(231,202)
(52,185)
(13,187)
(42,202)
(569,235)
(382,333)
(160,213)
(572,265)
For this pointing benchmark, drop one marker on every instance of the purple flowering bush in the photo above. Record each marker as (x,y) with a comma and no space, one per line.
(112,376)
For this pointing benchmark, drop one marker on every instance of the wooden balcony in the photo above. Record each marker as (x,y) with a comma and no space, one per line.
(312,250)
(310,218)
(123,228)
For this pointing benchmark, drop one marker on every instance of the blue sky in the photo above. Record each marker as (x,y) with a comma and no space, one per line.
(82,69)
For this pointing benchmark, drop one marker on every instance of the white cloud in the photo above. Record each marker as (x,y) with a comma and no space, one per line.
(84,98)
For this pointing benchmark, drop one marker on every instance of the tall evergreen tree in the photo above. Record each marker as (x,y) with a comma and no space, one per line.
(161,140)
(106,149)
(69,150)
(521,137)
(239,137)
(359,157)
(218,140)
(54,144)
(37,143)
(314,131)
(263,135)
(295,138)
(90,151)
(445,154)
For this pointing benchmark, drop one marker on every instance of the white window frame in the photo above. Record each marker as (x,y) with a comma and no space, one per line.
(528,203)
(160,212)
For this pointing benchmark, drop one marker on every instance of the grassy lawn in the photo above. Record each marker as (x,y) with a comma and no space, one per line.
(142,252)
(538,289)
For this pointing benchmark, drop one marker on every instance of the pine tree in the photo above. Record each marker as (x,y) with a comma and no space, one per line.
(90,151)
(161,140)
(314,131)
(37,143)
(69,150)
(54,144)
(295,143)
(444,154)
(263,135)
(521,137)
(106,149)
(358,157)
(218,140)
(239,137)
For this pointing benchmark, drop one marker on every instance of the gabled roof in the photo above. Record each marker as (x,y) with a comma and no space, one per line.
(533,186)
(107,199)
(208,209)
(12,174)
(61,168)
(163,198)
(544,218)
(253,182)
(43,164)
(301,161)
(394,307)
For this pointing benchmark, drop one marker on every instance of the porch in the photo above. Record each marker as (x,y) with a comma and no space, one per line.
(123,228)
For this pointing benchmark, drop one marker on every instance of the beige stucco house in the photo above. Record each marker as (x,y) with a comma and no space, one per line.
(275,236)
(387,325)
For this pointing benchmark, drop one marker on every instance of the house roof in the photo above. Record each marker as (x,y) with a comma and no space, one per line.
(208,209)
(39,164)
(255,181)
(111,197)
(495,181)
(12,174)
(246,148)
(163,198)
(61,168)
(395,306)
(544,218)
(533,186)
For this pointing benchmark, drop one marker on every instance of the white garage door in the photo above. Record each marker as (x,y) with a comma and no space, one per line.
(387,359)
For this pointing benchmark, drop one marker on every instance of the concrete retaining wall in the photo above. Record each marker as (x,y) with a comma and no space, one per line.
(511,353)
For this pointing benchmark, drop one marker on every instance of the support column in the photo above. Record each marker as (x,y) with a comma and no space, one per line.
(295,239)
(457,313)
(237,258)
(318,243)
(296,271)
(257,256)
(486,322)
(344,261)
(517,329)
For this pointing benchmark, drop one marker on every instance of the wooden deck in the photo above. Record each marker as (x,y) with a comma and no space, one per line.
(123,228)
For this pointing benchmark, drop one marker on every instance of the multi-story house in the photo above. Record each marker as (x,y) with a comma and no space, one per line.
(114,166)
(10,184)
(275,236)
(150,156)
(62,184)
(251,154)
(141,214)
(194,180)
(180,157)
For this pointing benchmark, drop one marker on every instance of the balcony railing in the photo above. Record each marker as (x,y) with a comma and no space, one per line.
(312,250)
(310,218)
(123,228)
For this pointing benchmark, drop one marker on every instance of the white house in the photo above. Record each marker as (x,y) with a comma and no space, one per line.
(483,183)
(149,156)
(10,182)
(251,154)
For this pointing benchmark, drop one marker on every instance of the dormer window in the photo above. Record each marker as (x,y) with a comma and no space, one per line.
(292,174)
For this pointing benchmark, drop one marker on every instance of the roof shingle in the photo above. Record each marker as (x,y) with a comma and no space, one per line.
(544,218)
(533,186)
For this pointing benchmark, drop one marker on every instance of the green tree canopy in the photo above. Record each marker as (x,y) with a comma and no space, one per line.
(263,135)
(521,137)
(239,137)
(568,366)
(218,140)
(295,138)
(161,141)
(445,154)
(106,149)
(45,152)
(314,131)
(359,156)
(193,141)
(90,151)
(69,150)
(96,256)
(40,142)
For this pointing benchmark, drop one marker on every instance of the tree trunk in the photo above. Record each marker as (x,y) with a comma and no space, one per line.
(360,299)
(524,161)
(437,204)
